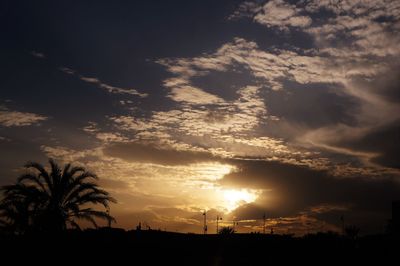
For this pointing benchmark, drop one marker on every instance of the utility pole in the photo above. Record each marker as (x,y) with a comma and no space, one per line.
(218,218)
(234,224)
(205,222)
(343,229)
(264,223)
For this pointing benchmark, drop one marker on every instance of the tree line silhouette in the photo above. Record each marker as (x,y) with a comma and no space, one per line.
(38,210)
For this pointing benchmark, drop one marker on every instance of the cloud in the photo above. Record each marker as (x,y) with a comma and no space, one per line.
(92,127)
(278,13)
(107,137)
(10,118)
(301,106)
(112,89)
(100,84)
(38,54)
(293,190)
(309,127)
(168,183)
(275,13)
(270,66)
(383,143)
(354,55)
(221,129)
(67,70)
(237,116)
(68,155)
(299,101)
(244,127)
(189,94)
(246,9)
(135,152)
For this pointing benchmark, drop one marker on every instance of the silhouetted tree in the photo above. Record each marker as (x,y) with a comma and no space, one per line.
(50,201)
(226,231)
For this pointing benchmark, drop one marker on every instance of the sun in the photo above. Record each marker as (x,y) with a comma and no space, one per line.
(234,198)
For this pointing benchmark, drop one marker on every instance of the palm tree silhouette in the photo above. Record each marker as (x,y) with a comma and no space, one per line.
(51,201)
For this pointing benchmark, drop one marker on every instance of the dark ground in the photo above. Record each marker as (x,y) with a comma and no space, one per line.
(119,247)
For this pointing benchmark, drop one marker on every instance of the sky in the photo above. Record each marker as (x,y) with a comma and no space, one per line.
(241,108)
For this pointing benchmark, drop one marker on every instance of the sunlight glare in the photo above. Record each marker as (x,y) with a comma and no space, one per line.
(234,198)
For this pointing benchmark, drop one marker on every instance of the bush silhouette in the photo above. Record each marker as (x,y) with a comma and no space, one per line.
(51,201)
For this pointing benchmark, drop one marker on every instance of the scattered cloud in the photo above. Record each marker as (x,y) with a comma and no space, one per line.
(355,46)
(92,127)
(9,118)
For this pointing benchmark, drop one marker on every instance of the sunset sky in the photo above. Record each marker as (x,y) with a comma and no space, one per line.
(240,108)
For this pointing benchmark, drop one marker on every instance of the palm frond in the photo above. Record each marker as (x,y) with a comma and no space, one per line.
(42,173)
(94,213)
(79,190)
(66,175)
(92,198)
(76,169)
(87,217)
(55,173)
(33,178)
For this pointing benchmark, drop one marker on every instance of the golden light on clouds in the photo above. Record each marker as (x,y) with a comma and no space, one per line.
(233,198)
(215,171)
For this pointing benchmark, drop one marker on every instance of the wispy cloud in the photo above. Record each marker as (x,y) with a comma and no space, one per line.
(97,82)
(112,89)
(67,70)
(38,54)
